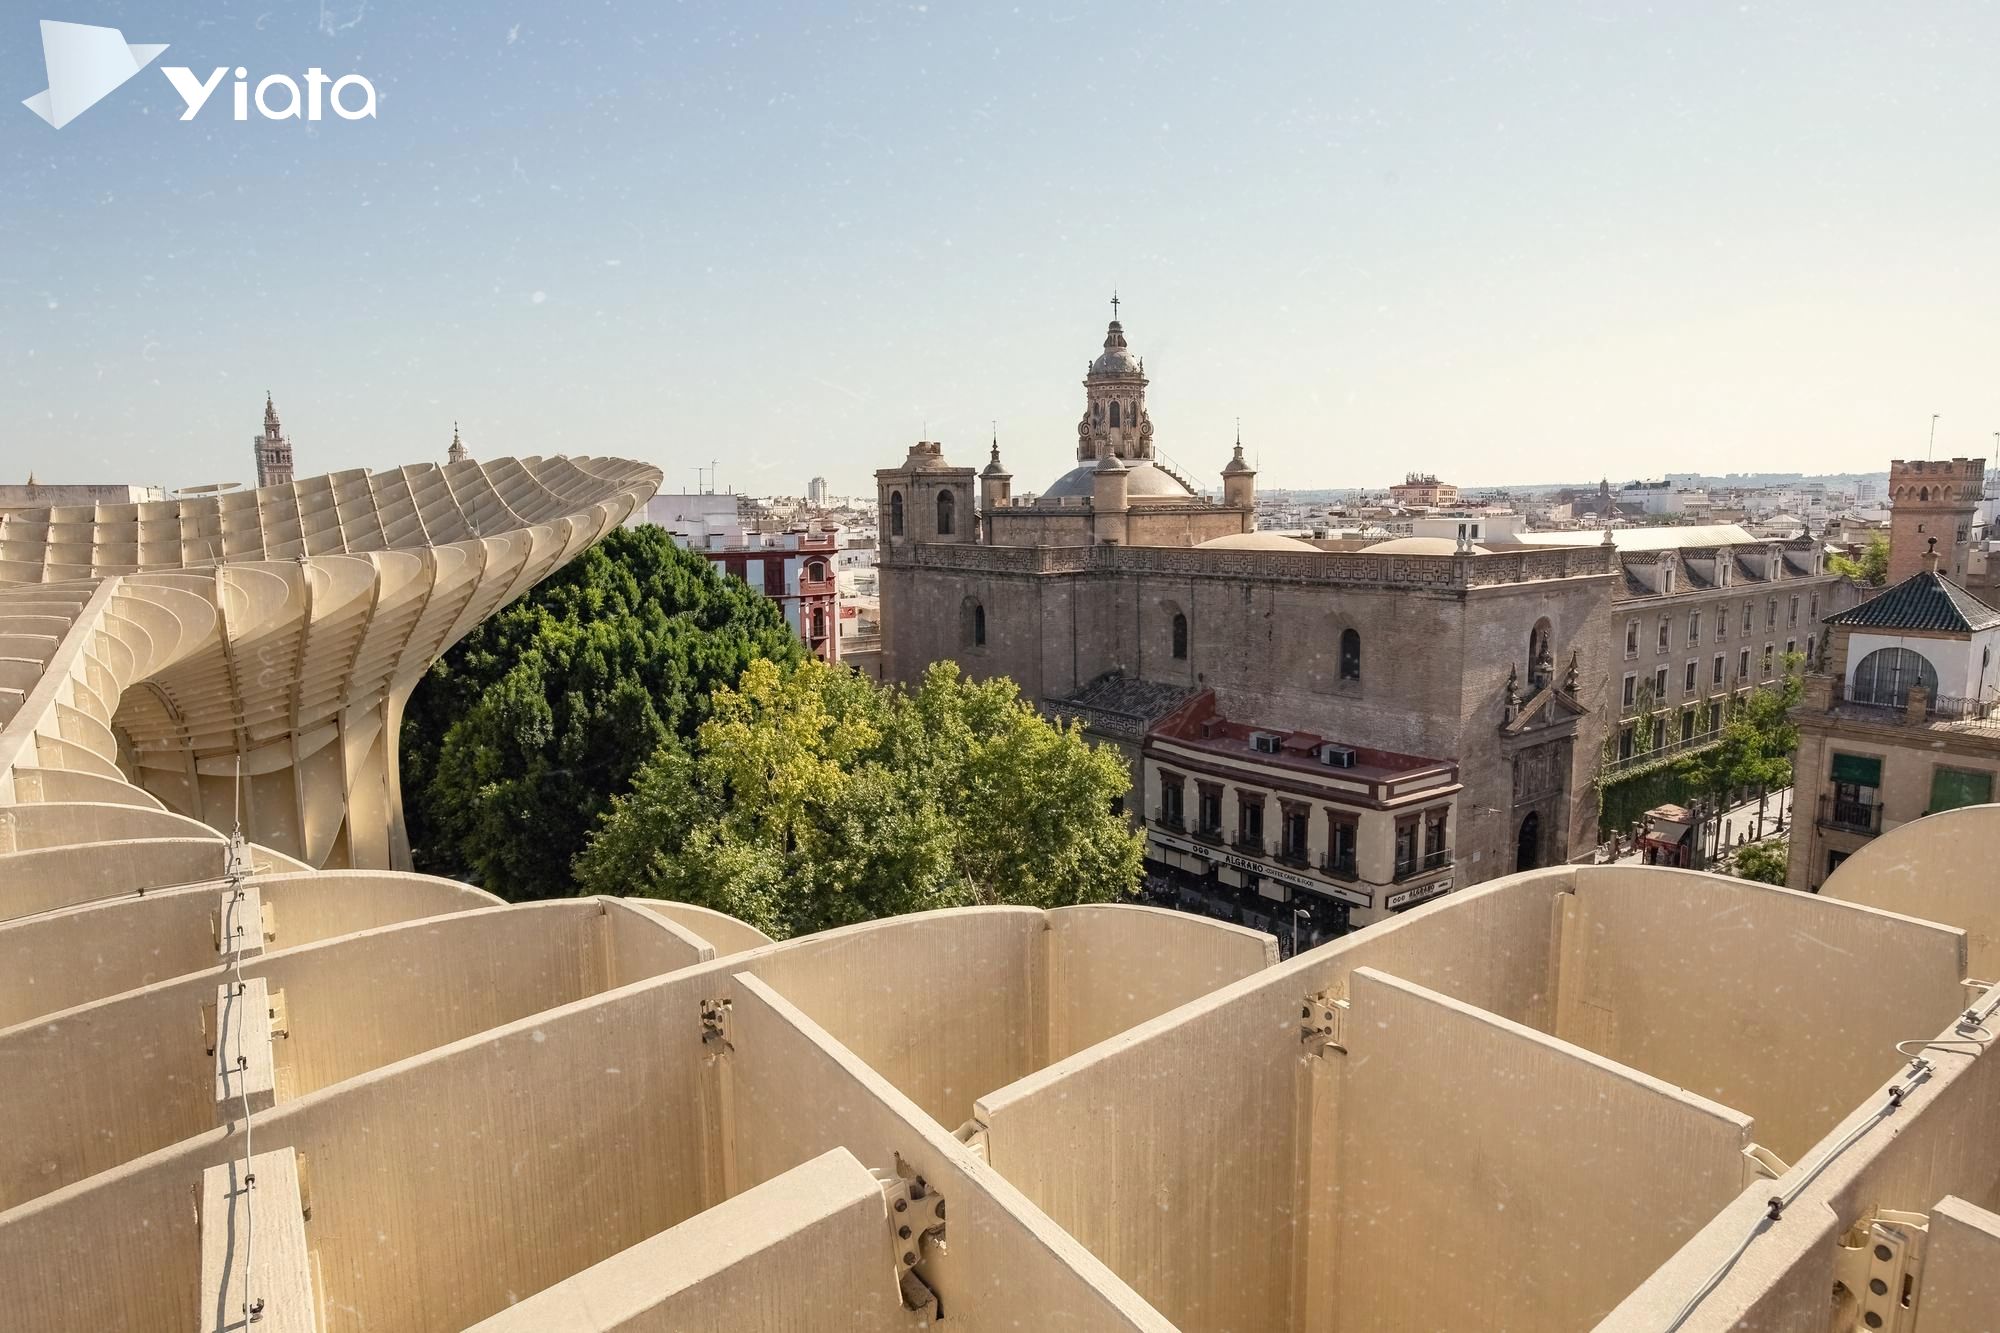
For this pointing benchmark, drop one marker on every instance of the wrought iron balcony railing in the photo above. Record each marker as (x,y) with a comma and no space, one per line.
(1853,816)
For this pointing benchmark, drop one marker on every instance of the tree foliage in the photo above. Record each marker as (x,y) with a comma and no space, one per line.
(1765,862)
(1871,568)
(1756,746)
(812,798)
(516,740)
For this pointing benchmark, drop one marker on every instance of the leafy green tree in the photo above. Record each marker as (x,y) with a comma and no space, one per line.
(1756,745)
(812,798)
(1871,568)
(514,743)
(1765,862)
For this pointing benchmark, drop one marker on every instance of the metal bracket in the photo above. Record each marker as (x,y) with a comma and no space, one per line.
(1880,1264)
(916,1226)
(715,1029)
(1765,1162)
(1323,1023)
(975,1137)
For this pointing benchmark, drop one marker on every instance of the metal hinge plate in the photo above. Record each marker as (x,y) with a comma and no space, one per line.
(1880,1264)
(715,1029)
(1323,1023)
(916,1227)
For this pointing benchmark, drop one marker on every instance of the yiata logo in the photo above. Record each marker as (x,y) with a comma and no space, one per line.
(195,93)
(84,64)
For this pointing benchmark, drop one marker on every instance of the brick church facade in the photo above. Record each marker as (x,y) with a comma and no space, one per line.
(1121,572)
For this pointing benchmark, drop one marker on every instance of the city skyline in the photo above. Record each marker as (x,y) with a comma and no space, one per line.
(1558,244)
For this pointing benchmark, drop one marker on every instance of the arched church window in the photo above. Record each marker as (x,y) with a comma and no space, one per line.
(1887,675)
(1114,413)
(1180,637)
(978,625)
(1350,654)
(895,513)
(946,506)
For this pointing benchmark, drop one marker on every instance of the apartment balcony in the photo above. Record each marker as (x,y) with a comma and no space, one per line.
(1209,833)
(1165,820)
(817,587)
(1339,867)
(1438,860)
(1248,846)
(1297,857)
(1850,816)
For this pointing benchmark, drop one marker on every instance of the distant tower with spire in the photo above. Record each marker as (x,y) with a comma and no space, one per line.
(455,454)
(272,449)
(996,483)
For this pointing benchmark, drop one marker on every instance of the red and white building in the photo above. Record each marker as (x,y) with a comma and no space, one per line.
(795,569)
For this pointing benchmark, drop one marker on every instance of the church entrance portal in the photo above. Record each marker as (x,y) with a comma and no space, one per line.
(1528,846)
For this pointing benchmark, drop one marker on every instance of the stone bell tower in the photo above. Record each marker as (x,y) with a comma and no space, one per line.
(273,451)
(1932,498)
(926,500)
(1115,421)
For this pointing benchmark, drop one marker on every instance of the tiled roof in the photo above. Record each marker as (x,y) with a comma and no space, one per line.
(1120,705)
(1926,601)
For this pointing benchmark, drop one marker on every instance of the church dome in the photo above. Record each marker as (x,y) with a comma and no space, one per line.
(1116,358)
(1143,480)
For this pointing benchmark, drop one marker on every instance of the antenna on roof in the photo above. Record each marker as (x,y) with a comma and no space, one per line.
(1931,448)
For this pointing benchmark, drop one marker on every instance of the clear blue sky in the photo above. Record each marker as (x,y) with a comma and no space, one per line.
(1524,241)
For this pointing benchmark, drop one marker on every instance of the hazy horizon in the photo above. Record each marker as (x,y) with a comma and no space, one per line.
(1550,242)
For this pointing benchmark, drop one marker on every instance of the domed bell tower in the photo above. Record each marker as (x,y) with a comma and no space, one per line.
(1115,420)
(996,483)
(1239,480)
